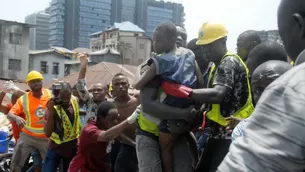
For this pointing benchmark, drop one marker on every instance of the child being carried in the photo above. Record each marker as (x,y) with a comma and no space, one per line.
(173,65)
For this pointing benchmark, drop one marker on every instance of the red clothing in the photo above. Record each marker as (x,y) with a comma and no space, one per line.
(91,154)
(15,128)
(176,90)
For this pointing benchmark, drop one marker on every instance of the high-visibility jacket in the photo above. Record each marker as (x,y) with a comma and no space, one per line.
(34,110)
(71,131)
(214,112)
(147,125)
(292,63)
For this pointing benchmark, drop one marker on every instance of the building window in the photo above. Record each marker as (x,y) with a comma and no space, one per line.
(91,26)
(141,46)
(126,61)
(14,64)
(15,38)
(43,67)
(55,68)
(136,34)
(140,61)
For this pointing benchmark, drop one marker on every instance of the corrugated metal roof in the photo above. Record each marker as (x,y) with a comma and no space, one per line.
(81,50)
(41,51)
(62,50)
(106,51)
(102,73)
(126,26)
(96,33)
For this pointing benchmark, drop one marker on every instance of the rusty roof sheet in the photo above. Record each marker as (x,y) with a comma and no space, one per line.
(81,50)
(102,73)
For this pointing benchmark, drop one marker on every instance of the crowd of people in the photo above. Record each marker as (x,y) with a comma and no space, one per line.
(198,108)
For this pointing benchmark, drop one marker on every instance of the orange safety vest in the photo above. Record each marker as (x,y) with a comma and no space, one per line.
(34,110)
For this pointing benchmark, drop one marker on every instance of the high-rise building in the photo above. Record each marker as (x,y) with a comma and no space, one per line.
(150,13)
(147,14)
(123,10)
(73,21)
(39,35)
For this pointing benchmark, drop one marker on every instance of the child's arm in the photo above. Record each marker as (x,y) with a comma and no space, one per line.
(200,81)
(146,77)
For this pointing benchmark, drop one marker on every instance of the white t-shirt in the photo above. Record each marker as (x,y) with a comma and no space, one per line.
(238,131)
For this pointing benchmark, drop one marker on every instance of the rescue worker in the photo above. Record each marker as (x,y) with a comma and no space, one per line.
(93,142)
(10,87)
(63,128)
(33,105)
(246,41)
(262,76)
(274,137)
(228,92)
(202,61)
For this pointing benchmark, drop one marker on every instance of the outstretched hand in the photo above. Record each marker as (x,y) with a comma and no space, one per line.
(232,122)
(83,58)
(10,87)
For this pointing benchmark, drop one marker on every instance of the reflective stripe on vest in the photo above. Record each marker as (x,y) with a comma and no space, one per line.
(71,132)
(214,113)
(148,123)
(292,63)
(26,109)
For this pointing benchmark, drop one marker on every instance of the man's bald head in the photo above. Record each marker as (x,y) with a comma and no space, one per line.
(266,51)
(291,24)
(266,73)
(246,41)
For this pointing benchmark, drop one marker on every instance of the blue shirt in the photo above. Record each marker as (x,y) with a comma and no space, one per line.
(177,67)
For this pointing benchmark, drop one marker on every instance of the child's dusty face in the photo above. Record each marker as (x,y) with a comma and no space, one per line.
(161,42)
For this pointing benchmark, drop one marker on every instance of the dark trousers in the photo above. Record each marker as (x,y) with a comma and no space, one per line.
(126,160)
(213,154)
(53,160)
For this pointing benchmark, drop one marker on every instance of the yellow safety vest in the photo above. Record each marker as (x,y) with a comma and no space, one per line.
(147,125)
(34,114)
(71,132)
(292,63)
(214,113)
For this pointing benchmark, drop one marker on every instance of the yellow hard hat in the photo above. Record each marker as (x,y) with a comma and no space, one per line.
(34,75)
(210,32)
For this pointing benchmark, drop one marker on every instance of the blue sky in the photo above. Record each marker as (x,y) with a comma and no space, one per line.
(236,15)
